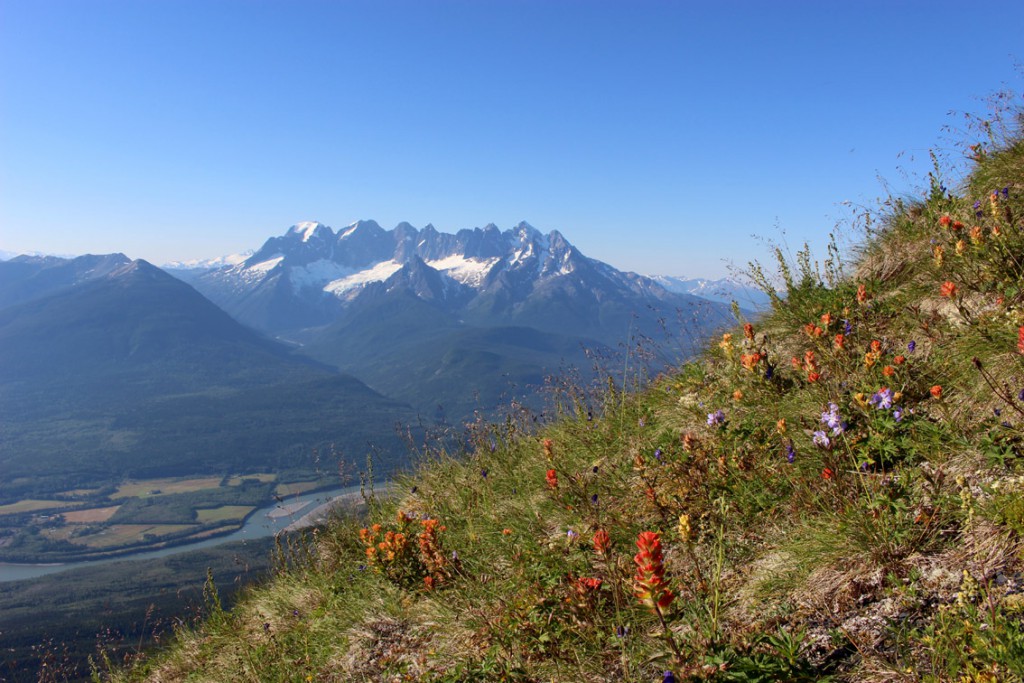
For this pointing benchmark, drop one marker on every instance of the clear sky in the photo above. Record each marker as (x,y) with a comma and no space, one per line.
(656,136)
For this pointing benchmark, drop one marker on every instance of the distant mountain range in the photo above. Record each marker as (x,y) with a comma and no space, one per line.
(113,368)
(722,290)
(318,337)
(476,316)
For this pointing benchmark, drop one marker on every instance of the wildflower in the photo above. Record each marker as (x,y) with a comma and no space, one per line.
(870,358)
(957,226)
(862,294)
(795,362)
(737,395)
(959,247)
(936,391)
(668,677)
(593,499)
(821,439)
(726,343)
(945,220)
(780,426)
(552,479)
(827,319)
(657,454)
(833,420)
(748,331)
(899,360)
(428,582)
(506,532)
(641,422)
(876,346)
(938,252)
(996,232)
(860,399)
(975,234)
(649,583)
(813,331)
(790,454)
(586,584)
(549,447)
(847,328)
(684,528)
(810,361)
(1020,339)
(813,377)
(750,360)
(602,541)
(888,371)
(838,342)
(769,372)
(621,631)
(1020,395)
(483,473)
(689,441)
(882,399)
(716,419)
(827,473)
(571,535)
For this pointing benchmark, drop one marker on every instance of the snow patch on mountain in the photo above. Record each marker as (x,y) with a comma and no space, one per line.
(210,263)
(314,275)
(264,267)
(465,270)
(306,229)
(378,273)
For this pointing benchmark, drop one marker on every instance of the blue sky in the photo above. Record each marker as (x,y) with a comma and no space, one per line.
(656,136)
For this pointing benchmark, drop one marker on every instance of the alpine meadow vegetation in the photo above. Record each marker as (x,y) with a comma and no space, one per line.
(833,491)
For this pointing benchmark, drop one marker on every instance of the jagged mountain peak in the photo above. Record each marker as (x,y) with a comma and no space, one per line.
(306,230)
(311,281)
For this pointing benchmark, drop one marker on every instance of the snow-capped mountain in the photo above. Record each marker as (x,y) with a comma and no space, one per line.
(210,263)
(311,275)
(722,290)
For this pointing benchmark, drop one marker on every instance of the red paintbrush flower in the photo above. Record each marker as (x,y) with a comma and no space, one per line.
(552,479)
(649,583)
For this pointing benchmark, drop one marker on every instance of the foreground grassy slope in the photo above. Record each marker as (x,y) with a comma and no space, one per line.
(834,491)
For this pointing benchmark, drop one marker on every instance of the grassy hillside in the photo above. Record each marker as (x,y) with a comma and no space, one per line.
(834,491)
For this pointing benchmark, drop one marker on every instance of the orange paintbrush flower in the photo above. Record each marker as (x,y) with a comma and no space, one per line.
(948,289)
(936,391)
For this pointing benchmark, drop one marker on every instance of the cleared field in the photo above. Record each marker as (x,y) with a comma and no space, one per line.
(31,505)
(237,481)
(91,515)
(223,513)
(159,487)
(122,534)
(296,487)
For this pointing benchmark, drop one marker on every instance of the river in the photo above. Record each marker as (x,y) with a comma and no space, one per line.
(266,521)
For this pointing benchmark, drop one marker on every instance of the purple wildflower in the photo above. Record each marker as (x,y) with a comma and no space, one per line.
(642,422)
(1020,396)
(847,327)
(571,535)
(790,454)
(483,473)
(593,499)
(657,453)
(911,346)
(716,418)
(668,677)
(882,399)
(897,413)
(832,419)
(821,439)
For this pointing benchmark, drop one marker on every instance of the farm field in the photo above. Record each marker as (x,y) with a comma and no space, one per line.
(129,516)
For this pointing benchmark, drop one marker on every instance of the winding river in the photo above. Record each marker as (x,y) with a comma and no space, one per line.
(266,521)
